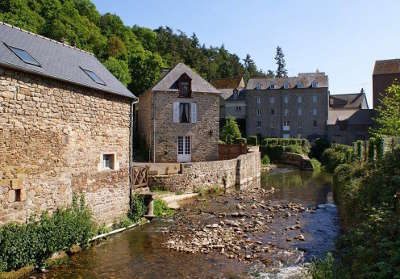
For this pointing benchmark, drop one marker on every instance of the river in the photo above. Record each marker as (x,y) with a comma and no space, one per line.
(139,253)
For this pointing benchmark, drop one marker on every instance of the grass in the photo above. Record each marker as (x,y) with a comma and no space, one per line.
(215,189)
(161,209)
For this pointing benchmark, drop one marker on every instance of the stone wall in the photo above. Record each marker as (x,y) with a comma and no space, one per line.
(240,173)
(52,139)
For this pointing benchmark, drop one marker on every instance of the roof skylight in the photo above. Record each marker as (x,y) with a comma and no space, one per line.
(93,76)
(24,56)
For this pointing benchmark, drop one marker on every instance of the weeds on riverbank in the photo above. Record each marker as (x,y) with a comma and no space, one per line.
(369,202)
(161,209)
(137,208)
(35,241)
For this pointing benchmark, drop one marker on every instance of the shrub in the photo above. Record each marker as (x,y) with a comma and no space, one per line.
(323,268)
(359,150)
(37,240)
(371,150)
(316,164)
(137,207)
(241,141)
(161,209)
(265,160)
(252,140)
(274,152)
(379,142)
(230,132)
(336,155)
(293,149)
(122,223)
(318,147)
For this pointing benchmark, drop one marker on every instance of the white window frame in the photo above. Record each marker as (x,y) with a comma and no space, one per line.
(285,85)
(299,99)
(272,100)
(272,86)
(314,84)
(299,84)
(314,112)
(315,99)
(258,100)
(286,99)
(258,86)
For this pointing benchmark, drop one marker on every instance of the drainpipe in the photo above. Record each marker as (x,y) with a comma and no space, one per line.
(131,133)
(154,128)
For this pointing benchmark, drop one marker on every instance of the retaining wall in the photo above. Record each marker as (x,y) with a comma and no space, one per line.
(240,173)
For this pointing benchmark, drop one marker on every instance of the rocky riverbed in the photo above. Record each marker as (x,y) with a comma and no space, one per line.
(247,226)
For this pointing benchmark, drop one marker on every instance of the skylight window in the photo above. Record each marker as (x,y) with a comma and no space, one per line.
(24,56)
(93,76)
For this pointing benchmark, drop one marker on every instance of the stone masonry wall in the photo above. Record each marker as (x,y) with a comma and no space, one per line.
(240,172)
(204,134)
(52,138)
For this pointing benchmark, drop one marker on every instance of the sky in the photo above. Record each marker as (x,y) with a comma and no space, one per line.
(342,38)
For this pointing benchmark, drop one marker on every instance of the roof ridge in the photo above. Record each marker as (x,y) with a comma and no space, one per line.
(45,38)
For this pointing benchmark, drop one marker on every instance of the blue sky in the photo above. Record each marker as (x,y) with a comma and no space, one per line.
(342,38)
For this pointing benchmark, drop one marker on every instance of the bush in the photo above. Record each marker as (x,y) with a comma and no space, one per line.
(316,164)
(318,147)
(230,132)
(240,141)
(265,160)
(252,140)
(293,149)
(336,155)
(137,207)
(323,268)
(37,240)
(274,152)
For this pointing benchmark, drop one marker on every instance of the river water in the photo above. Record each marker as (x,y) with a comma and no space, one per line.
(138,253)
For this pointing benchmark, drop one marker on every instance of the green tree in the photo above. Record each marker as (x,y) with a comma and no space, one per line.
(230,132)
(388,113)
(281,63)
(120,69)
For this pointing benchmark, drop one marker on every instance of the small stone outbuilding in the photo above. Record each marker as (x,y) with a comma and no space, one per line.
(65,127)
(178,119)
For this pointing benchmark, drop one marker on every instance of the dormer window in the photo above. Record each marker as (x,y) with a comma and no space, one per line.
(258,86)
(272,86)
(185,86)
(314,84)
(286,85)
(299,84)
(235,94)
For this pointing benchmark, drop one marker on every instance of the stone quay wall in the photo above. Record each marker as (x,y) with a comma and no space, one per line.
(235,173)
(52,139)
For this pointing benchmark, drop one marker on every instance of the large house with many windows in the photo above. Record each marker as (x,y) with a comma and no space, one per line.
(288,107)
(178,119)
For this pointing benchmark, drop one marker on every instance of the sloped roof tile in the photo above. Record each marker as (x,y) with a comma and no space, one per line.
(58,61)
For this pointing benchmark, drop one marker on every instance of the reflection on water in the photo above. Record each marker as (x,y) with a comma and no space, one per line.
(138,253)
(306,187)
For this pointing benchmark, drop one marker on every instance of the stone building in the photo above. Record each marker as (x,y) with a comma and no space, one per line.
(178,118)
(288,107)
(232,101)
(349,118)
(65,128)
(385,73)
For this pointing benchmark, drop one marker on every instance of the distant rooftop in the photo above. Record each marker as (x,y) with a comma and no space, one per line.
(303,80)
(26,51)
(391,66)
(228,83)
(349,101)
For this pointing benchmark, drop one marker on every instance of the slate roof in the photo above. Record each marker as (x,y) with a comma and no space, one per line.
(305,78)
(391,66)
(348,101)
(352,116)
(58,61)
(168,82)
(227,83)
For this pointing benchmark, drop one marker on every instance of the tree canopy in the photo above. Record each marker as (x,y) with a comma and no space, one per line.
(388,112)
(281,63)
(230,132)
(144,51)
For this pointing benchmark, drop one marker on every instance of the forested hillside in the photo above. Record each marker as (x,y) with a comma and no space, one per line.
(134,54)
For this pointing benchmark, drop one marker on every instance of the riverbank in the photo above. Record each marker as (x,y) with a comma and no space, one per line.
(144,251)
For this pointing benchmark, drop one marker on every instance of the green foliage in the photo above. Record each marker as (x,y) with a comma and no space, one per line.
(137,207)
(120,69)
(281,70)
(371,150)
(161,209)
(316,164)
(265,160)
(336,155)
(37,240)
(323,268)
(359,150)
(252,140)
(241,141)
(293,149)
(146,51)
(274,152)
(318,147)
(122,223)
(379,142)
(388,113)
(230,132)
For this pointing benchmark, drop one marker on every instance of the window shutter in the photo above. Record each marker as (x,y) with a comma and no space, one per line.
(193,107)
(176,112)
